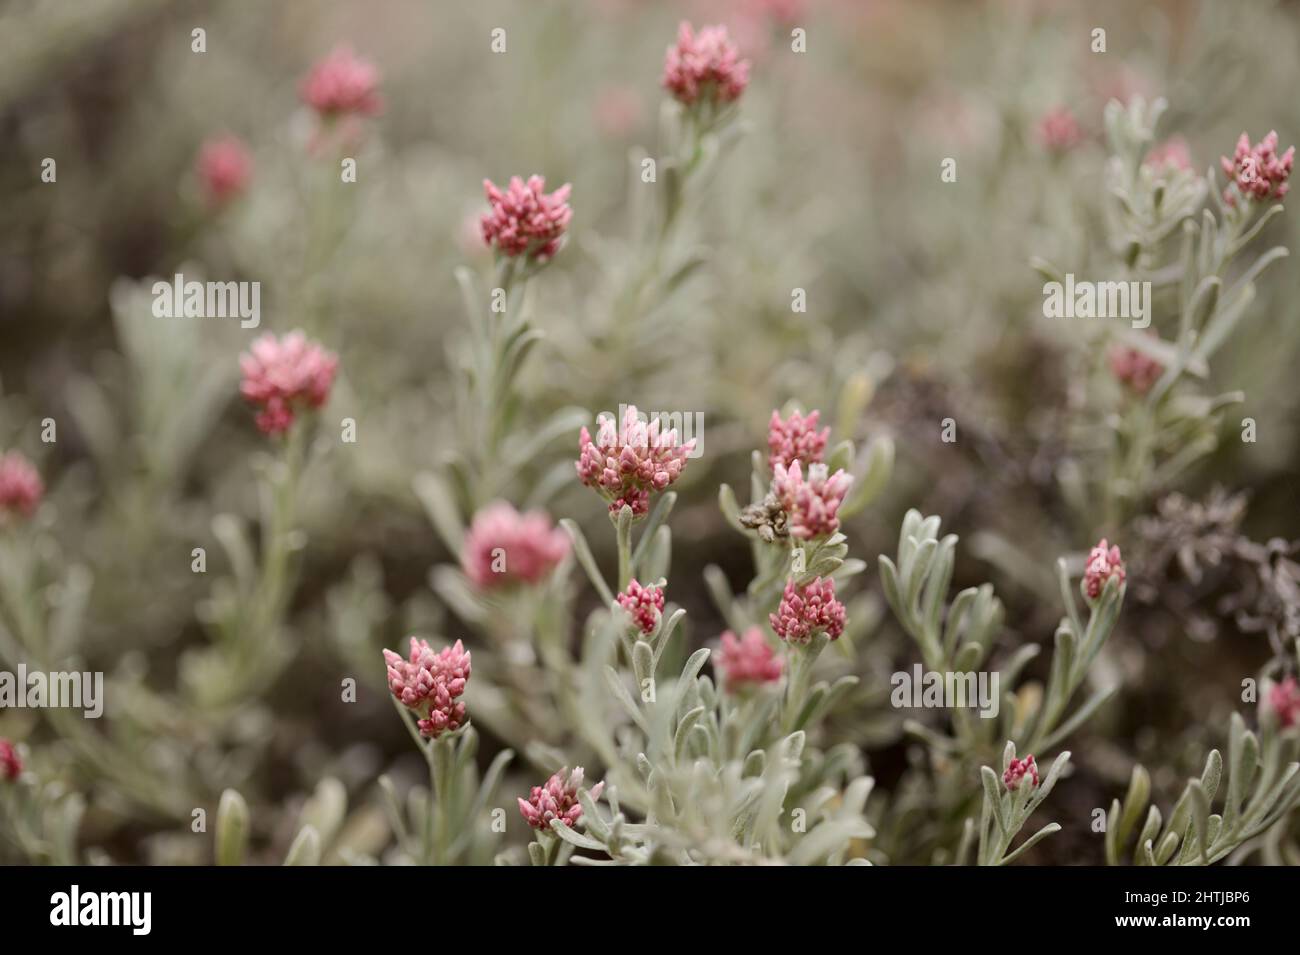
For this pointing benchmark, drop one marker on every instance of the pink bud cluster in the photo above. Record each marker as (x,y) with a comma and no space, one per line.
(1019,769)
(224,168)
(505,547)
(795,439)
(645,605)
(285,375)
(524,219)
(627,464)
(11,764)
(21,488)
(811,506)
(1134,368)
(808,610)
(557,798)
(1284,700)
(1104,562)
(1171,154)
(431,684)
(1258,171)
(1058,130)
(747,661)
(342,84)
(704,67)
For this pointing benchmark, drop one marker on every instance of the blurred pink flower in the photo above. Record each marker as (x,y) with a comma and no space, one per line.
(1171,154)
(1258,171)
(645,605)
(704,67)
(811,506)
(617,111)
(626,465)
(557,798)
(342,84)
(1017,770)
(224,168)
(1104,562)
(431,683)
(505,547)
(795,439)
(21,488)
(284,375)
(1134,367)
(807,611)
(1284,700)
(11,764)
(525,220)
(1058,131)
(748,660)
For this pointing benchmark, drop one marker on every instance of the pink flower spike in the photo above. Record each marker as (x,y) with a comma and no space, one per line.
(628,464)
(747,661)
(1284,700)
(284,376)
(504,547)
(11,764)
(704,67)
(430,684)
(224,168)
(1017,770)
(645,605)
(21,488)
(811,506)
(342,84)
(808,610)
(795,439)
(1258,172)
(524,219)
(1058,131)
(1134,368)
(1104,562)
(557,798)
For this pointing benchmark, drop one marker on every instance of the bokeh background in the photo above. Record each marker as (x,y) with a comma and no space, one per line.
(921,305)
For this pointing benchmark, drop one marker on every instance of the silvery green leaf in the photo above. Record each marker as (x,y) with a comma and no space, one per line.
(440,506)
(586,560)
(306,848)
(232,829)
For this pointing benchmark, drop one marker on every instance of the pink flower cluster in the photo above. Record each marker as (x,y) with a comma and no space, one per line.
(808,610)
(431,684)
(1171,154)
(811,506)
(11,764)
(645,605)
(626,464)
(224,168)
(21,488)
(747,661)
(1017,770)
(795,439)
(1134,368)
(1284,700)
(342,84)
(285,375)
(1058,130)
(557,799)
(1104,562)
(524,219)
(1258,171)
(704,67)
(506,547)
